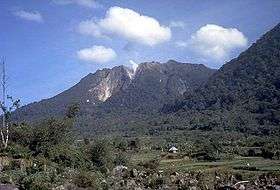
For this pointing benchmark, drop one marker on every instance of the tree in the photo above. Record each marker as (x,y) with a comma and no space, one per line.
(6,110)
(101,155)
(72,111)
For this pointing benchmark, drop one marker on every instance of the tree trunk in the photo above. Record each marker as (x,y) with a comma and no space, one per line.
(4,137)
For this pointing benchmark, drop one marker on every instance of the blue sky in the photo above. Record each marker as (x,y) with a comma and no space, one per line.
(49,45)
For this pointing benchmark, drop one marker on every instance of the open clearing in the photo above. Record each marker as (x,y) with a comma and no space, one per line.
(248,164)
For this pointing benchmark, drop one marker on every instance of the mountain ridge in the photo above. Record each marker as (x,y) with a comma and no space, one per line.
(123,87)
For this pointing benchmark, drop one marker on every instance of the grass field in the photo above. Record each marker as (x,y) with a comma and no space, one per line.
(186,165)
(248,164)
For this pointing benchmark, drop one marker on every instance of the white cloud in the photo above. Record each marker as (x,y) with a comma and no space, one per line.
(90,28)
(129,25)
(134,65)
(97,54)
(217,42)
(177,24)
(30,16)
(85,3)
(181,44)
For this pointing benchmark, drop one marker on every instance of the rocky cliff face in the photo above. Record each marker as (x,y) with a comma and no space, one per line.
(111,82)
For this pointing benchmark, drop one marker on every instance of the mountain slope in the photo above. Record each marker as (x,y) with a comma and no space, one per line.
(92,89)
(244,93)
(155,84)
(121,90)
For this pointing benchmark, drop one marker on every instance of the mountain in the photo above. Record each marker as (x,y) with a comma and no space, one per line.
(155,84)
(242,94)
(120,93)
(92,89)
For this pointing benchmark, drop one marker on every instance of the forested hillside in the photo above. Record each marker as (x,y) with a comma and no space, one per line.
(244,94)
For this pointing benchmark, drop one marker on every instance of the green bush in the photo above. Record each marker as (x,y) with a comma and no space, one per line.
(249,168)
(17,151)
(88,180)
(68,156)
(12,177)
(101,155)
(121,159)
(120,144)
(156,182)
(39,181)
(151,164)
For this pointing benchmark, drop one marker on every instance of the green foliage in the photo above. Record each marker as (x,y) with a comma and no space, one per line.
(72,111)
(271,150)
(21,134)
(33,181)
(207,149)
(7,110)
(49,134)
(66,155)
(12,176)
(101,155)
(120,143)
(16,151)
(156,182)
(88,180)
(39,181)
(134,144)
(151,164)
(121,159)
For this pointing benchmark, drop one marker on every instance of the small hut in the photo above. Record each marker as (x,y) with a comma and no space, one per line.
(173,149)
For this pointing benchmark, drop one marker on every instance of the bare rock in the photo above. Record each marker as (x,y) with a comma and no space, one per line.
(134,173)
(8,187)
(119,171)
(241,187)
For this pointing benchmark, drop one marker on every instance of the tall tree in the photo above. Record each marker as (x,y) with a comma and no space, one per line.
(6,110)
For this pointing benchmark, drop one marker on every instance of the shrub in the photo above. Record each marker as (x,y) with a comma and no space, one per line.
(101,155)
(17,151)
(121,159)
(67,156)
(267,153)
(21,134)
(151,164)
(120,144)
(12,176)
(249,168)
(39,181)
(88,180)
(156,182)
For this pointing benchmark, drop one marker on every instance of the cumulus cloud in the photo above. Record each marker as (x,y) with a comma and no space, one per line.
(90,28)
(177,24)
(129,47)
(216,41)
(30,16)
(181,44)
(97,54)
(129,25)
(85,3)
